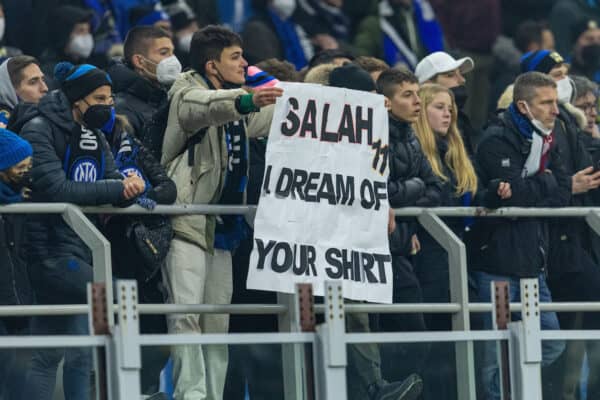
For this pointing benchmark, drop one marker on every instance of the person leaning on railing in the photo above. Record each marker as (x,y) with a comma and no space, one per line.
(518,148)
(72,163)
(15,288)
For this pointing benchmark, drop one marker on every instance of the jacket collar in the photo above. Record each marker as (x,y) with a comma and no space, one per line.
(399,130)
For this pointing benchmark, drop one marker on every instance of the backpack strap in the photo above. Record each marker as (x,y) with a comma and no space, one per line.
(191,143)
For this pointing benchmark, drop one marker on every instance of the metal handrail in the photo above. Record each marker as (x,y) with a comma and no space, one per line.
(73,215)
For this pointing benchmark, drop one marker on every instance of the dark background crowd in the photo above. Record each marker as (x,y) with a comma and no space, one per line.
(492,103)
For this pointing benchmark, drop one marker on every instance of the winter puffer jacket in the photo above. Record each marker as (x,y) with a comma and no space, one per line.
(510,246)
(570,238)
(48,128)
(15,288)
(411,182)
(140,101)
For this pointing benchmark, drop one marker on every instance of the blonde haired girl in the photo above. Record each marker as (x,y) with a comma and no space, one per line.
(441,141)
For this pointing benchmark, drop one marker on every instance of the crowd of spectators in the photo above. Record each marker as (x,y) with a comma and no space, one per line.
(492,103)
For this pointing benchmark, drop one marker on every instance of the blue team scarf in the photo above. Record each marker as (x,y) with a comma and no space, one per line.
(292,49)
(523,124)
(467,200)
(430,33)
(8,194)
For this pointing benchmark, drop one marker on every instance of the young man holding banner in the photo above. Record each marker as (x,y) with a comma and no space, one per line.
(205,151)
(365,360)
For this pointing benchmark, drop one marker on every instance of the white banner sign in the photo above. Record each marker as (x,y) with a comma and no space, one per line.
(323,210)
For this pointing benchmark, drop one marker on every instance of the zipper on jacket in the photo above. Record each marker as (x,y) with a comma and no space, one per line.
(12,265)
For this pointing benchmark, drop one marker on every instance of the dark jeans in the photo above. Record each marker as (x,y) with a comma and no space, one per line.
(583,285)
(551,350)
(398,360)
(431,268)
(77,367)
(258,366)
(60,281)
(7,359)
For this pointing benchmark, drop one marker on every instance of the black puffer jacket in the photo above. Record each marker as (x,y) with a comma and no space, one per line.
(15,287)
(411,182)
(138,99)
(48,128)
(14,281)
(515,247)
(570,238)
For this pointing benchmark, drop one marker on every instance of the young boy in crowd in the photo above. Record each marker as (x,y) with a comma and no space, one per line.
(411,183)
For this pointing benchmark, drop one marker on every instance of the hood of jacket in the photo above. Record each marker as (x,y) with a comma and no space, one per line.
(127,80)
(187,79)
(20,115)
(577,114)
(56,108)
(8,95)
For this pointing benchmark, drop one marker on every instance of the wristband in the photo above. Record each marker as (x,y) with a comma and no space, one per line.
(244,104)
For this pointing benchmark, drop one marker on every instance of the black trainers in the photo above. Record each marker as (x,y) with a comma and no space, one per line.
(408,389)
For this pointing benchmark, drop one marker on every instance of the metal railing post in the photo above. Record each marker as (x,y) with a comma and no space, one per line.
(126,362)
(525,346)
(100,248)
(459,293)
(330,347)
(293,360)
(500,295)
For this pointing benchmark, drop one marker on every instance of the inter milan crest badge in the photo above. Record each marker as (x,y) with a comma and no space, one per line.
(84,170)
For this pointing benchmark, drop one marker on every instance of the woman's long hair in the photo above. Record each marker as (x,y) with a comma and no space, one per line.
(456,157)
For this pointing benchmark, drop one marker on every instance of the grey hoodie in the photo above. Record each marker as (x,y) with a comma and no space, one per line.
(8,96)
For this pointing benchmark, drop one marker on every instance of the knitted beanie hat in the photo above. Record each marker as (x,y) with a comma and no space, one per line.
(13,149)
(541,60)
(79,81)
(256,78)
(351,76)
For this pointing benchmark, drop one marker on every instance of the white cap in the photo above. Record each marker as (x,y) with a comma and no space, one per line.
(440,62)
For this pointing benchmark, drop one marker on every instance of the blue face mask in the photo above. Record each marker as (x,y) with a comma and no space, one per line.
(108,127)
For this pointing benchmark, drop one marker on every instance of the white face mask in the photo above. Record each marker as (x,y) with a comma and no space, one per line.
(2,27)
(537,124)
(185,42)
(81,45)
(168,70)
(284,8)
(565,90)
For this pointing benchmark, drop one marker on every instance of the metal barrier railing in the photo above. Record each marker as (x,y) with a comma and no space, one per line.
(459,306)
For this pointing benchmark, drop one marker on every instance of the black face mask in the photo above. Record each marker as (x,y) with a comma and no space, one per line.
(21,181)
(96,116)
(591,55)
(460,95)
(226,84)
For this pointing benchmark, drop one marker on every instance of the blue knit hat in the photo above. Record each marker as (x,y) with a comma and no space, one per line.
(78,81)
(541,60)
(13,149)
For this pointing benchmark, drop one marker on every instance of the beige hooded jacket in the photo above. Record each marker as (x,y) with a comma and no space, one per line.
(193,107)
